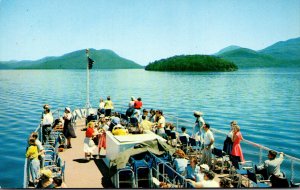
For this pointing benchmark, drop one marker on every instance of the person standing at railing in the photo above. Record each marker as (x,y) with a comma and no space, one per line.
(208,142)
(34,163)
(237,153)
(47,121)
(138,104)
(161,123)
(108,106)
(40,147)
(101,109)
(199,123)
(131,103)
(228,143)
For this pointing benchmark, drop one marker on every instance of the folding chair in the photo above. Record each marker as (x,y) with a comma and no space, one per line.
(122,177)
(244,167)
(254,182)
(219,154)
(143,172)
(184,143)
(195,145)
(173,139)
(279,182)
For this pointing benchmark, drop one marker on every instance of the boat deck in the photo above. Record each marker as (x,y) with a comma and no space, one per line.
(80,173)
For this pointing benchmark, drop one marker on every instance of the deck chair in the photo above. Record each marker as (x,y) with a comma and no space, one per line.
(242,171)
(255,182)
(143,173)
(173,139)
(195,145)
(184,143)
(279,182)
(219,155)
(293,184)
(125,176)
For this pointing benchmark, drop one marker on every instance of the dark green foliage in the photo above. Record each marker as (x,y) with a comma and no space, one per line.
(192,63)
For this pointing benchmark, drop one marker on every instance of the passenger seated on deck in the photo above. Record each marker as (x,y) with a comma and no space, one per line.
(145,124)
(91,117)
(45,181)
(119,130)
(180,161)
(200,175)
(58,183)
(192,170)
(152,116)
(184,133)
(272,165)
(208,181)
(145,113)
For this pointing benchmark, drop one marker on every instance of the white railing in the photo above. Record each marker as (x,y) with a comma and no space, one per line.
(171,117)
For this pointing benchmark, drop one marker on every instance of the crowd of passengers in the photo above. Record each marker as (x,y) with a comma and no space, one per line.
(139,120)
(39,175)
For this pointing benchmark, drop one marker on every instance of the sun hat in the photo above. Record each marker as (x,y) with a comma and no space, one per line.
(46,106)
(198,113)
(46,172)
(67,108)
(102,115)
(205,167)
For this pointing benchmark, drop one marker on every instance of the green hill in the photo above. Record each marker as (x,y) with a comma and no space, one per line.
(280,54)
(244,57)
(229,48)
(192,63)
(284,50)
(104,59)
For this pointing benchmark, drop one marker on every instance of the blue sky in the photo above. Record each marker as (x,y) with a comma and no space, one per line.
(142,30)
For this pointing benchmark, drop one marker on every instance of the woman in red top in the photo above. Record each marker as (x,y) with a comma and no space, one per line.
(236,153)
(89,145)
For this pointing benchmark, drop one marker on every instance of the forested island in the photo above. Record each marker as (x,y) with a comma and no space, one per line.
(192,63)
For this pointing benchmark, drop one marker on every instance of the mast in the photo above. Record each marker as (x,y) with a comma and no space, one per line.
(87,105)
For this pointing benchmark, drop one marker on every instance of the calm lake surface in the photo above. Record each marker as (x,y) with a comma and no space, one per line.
(265,102)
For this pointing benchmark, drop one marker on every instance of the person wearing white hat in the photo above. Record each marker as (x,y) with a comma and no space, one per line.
(199,123)
(208,181)
(200,175)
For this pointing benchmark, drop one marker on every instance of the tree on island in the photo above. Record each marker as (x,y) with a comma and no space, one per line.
(192,63)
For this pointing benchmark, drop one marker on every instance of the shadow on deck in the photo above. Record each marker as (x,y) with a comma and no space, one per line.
(106,181)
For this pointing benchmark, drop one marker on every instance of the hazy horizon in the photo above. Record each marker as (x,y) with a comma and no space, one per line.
(140,30)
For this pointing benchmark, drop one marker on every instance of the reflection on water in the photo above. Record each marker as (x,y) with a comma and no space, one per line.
(265,102)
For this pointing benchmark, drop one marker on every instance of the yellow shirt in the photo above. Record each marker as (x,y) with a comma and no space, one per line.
(32,152)
(108,104)
(146,125)
(119,132)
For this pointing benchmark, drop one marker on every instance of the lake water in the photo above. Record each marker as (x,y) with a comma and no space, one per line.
(265,102)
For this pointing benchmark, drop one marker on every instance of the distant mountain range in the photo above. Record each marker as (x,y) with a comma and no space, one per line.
(280,54)
(104,59)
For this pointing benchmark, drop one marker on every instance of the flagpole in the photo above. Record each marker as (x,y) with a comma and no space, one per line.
(87,105)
